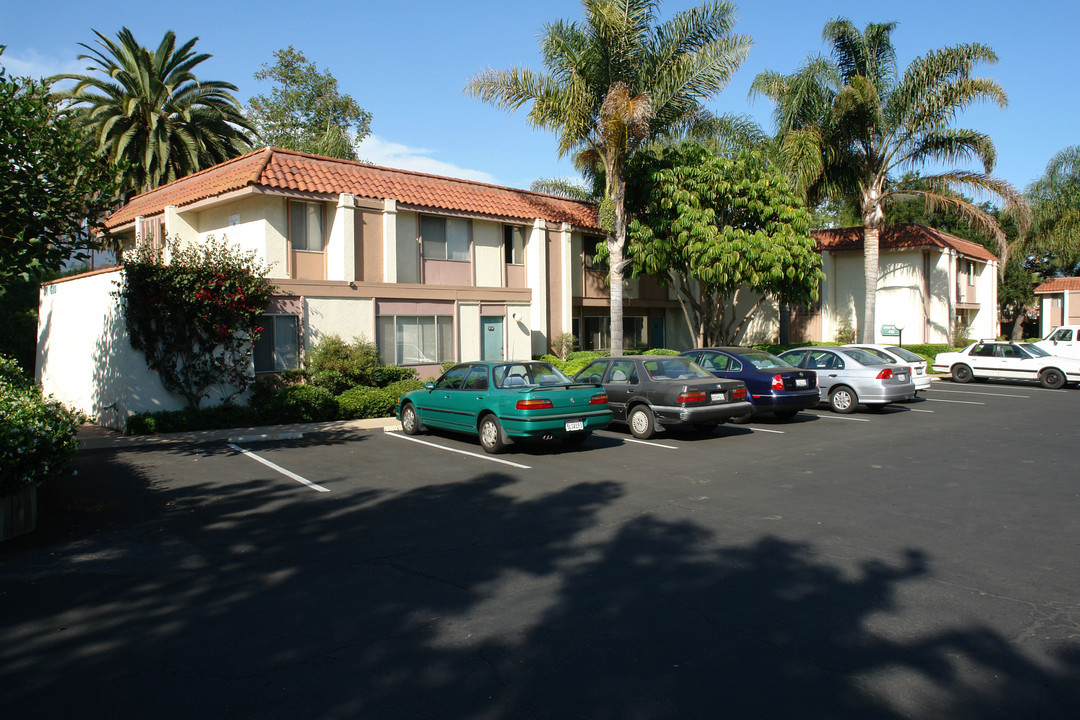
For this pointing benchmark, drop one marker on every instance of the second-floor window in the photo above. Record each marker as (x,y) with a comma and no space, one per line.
(446,238)
(588,244)
(306,225)
(514,244)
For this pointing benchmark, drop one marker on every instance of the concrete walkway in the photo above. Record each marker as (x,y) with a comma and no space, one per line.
(93,437)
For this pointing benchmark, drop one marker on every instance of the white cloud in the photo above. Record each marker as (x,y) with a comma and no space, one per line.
(33,64)
(376,150)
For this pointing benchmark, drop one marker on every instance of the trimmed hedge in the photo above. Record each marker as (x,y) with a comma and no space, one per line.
(37,435)
(219,417)
(299,404)
(365,402)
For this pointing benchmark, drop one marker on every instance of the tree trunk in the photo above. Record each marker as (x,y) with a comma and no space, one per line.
(870,278)
(616,248)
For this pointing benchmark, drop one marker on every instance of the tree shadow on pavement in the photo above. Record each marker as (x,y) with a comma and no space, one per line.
(470,598)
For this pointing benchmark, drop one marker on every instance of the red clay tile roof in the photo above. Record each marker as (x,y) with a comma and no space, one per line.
(287,170)
(1059,284)
(896,237)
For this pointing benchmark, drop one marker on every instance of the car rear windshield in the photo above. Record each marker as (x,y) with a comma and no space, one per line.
(527,375)
(765,361)
(907,355)
(674,368)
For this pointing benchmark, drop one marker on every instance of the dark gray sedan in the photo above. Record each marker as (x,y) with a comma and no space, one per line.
(649,391)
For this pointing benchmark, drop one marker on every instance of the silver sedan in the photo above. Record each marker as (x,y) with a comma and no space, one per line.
(849,376)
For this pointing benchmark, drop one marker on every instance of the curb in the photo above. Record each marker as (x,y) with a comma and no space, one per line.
(96,438)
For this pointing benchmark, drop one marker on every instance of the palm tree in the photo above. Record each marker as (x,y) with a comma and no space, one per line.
(150,116)
(851,124)
(1055,202)
(612,83)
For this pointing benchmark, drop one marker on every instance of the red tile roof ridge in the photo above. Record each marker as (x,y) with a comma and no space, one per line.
(900,235)
(1058,284)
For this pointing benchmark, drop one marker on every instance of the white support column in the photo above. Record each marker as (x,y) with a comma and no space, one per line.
(566,290)
(536,272)
(340,246)
(389,240)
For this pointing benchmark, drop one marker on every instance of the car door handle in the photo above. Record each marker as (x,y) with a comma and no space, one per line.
(832,374)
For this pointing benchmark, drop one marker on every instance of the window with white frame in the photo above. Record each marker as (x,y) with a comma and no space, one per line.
(514,244)
(445,238)
(306,225)
(596,333)
(415,339)
(278,346)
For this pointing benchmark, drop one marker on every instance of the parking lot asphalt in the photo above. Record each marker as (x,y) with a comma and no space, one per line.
(921,562)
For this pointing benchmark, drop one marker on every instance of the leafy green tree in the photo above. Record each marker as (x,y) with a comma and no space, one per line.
(713,228)
(197,317)
(151,117)
(305,110)
(53,190)
(849,124)
(613,82)
(1055,203)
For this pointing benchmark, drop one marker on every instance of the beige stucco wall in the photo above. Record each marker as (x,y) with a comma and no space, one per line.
(405,260)
(261,226)
(347,318)
(84,357)
(487,253)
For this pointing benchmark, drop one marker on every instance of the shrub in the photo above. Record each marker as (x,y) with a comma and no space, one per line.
(191,419)
(386,375)
(399,388)
(37,435)
(335,361)
(300,403)
(366,402)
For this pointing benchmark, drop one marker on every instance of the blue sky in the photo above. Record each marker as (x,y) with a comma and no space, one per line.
(408,61)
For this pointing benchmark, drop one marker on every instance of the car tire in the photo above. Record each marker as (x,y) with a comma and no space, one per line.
(785,414)
(642,422)
(575,439)
(410,422)
(1052,378)
(961,373)
(843,399)
(491,435)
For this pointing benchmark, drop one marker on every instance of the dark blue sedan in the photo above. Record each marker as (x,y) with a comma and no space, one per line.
(776,386)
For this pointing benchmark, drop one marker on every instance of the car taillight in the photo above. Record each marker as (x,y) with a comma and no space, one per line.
(600,399)
(533,404)
(740,393)
(885,374)
(777,382)
(692,397)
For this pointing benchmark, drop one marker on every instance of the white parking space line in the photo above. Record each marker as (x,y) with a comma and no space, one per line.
(976,392)
(650,442)
(839,417)
(460,452)
(278,468)
(914,410)
(775,432)
(960,402)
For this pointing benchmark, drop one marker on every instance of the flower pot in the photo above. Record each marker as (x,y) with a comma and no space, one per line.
(18,512)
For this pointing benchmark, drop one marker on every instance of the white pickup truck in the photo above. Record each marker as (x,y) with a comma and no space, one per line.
(1064,341)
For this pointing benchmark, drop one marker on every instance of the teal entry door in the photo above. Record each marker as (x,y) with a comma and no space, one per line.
(492,348)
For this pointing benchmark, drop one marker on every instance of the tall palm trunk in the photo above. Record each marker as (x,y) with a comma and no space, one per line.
(616,246)
(872,217)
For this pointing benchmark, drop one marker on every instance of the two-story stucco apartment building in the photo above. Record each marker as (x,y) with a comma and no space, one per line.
(430,268)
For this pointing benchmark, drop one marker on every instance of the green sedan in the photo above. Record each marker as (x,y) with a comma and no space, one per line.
(504,401)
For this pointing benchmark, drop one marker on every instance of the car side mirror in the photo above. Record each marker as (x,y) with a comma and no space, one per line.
(430,385)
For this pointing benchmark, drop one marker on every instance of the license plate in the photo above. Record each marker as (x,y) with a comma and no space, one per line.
(918,371)
(718,397)
(902,378)
(573,425)
(800,382)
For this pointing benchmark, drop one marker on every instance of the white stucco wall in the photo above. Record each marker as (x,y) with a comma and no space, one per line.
(84,357)
(347,318)
(260,226)
(487,253)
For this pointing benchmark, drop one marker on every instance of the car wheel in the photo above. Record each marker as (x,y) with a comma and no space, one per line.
(706,427)
(642,422)
(491,436)
(785,414)
(1052,378)
(576,439)
(410,423)
(961,373)
(843,399)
